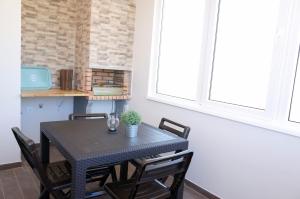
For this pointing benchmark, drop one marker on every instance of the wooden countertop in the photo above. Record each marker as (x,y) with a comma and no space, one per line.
(54,93)
(70,93)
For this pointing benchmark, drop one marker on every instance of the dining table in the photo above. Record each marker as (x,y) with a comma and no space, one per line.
(87,143)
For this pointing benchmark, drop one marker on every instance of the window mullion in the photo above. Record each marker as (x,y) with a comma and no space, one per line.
(286,73)
(211,17)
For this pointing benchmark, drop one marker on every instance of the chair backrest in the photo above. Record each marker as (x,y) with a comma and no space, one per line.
(78,116)
(175,165)
(31,154)
(176,128)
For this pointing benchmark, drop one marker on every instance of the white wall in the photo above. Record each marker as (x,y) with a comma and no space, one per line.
(232,160)
(36,110)
(10,60)
(100,106)
(45,109)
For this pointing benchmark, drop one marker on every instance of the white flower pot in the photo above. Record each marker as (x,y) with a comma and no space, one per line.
(131,130)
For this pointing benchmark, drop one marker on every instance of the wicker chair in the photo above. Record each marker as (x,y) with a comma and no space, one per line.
(55,177)
(147,184)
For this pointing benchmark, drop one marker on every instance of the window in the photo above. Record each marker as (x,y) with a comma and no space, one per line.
(235,59)
(179,48)
(295,105)
(243,51)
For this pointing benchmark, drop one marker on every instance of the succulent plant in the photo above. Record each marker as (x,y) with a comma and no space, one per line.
(131,118)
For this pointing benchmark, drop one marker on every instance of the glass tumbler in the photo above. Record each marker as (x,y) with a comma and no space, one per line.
(113,122)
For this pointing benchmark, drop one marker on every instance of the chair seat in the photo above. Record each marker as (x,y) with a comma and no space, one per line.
(60,173)
(137,161)
(149,190)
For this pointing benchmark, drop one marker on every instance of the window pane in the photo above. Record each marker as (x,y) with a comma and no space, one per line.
(180,48)
(295,107)
(243,53)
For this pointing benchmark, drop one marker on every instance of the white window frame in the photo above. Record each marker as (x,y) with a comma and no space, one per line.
(286,48)
(294,87)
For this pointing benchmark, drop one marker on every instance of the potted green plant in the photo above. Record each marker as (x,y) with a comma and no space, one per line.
(132,120)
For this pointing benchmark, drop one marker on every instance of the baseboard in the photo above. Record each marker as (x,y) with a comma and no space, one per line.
(10,166)
(200,190)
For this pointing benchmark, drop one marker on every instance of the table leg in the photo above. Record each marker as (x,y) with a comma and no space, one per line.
(78,181)
(44,141)
(124,171)
(180,191)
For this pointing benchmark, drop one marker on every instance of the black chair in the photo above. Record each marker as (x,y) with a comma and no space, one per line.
(175,128)
(78,116)
(147,185)
(180,130)
(82,116)
(55,177)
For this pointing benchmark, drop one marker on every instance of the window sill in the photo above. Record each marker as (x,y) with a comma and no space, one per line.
(288,128)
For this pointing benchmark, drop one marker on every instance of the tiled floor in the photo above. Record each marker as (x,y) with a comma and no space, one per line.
(21,183)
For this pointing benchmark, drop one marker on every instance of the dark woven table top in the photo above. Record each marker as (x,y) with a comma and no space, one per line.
(90,140)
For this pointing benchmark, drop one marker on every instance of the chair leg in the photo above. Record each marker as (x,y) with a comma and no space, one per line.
(103,180)
(42,194)
(134,174)
(113,174)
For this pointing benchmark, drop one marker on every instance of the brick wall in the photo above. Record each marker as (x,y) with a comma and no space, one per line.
(87,78)
(77,34)
(83,34)
(83,79)
(112,32)
(48,34)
